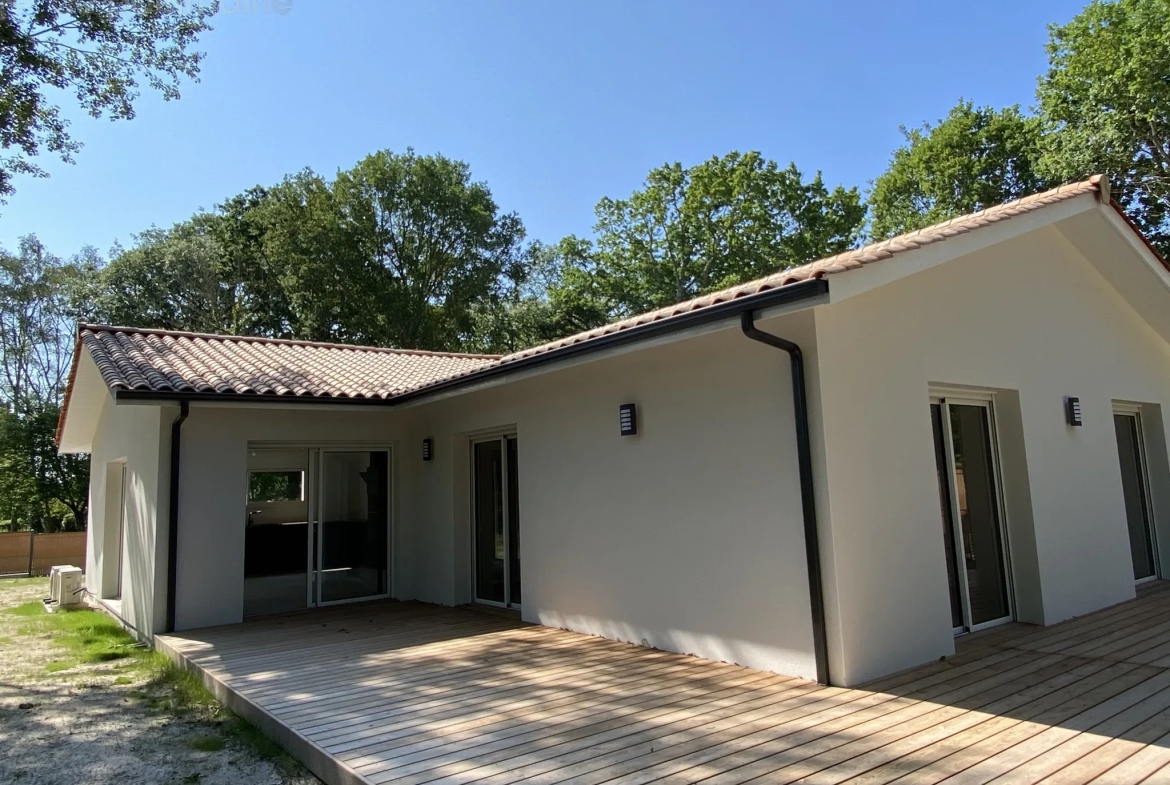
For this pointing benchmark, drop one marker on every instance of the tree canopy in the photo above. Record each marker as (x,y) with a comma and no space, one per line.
(693,230)
(1103,108)
(101,52)
(39,488)
(974,158)
(1105,102)
(401,250)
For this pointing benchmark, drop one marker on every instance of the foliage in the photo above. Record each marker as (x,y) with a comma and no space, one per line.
(398,251)
(974,158)
(1106,104)
(39,488)
(169,279)
(97,49)
(729,219)
(36,335)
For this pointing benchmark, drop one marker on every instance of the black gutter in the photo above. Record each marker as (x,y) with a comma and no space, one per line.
(173,510)
(783,295)
(812,548)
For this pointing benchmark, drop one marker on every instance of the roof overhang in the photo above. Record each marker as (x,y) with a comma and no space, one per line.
(85,397)
(1082,212)
(917,260)
(797,296)
(1105,237)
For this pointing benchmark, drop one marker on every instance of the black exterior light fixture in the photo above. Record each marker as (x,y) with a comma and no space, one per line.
(628,418)
(428,449)
(1072,411)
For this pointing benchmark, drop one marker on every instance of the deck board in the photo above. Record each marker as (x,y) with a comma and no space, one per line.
(411,694)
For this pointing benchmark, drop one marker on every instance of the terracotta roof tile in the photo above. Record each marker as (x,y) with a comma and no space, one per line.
(161,361)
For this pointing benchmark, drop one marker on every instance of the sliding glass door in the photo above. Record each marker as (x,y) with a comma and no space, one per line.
(972,513)
(496,525)
(1131,453)
(353,525)
(317,527)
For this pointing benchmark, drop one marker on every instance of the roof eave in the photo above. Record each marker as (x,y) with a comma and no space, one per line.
(803,291)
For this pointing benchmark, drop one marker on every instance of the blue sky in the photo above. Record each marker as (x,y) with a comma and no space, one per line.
(553,104)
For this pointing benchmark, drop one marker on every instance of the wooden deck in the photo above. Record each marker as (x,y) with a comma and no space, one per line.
(412,694)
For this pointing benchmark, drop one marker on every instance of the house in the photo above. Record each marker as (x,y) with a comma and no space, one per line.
(830,472)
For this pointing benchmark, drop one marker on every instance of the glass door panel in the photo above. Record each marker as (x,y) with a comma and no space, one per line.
(973,532)
(276,534)
(1133,484)
(978,507)
(354,521)
(496,527)
(948,519)
(489,521)
(513,506)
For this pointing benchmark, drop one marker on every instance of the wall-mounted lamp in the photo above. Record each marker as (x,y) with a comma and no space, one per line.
(628,417)
(428,449)
(1072,411)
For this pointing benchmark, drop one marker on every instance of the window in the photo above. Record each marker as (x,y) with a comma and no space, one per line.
(276,486)
(1127,424)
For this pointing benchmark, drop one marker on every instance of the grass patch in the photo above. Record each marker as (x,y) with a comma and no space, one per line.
(207,743)
(88,637)
(34,608)
(7,583)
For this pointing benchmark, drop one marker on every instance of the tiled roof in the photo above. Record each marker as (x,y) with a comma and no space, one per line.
(163,361)
(176,362)
(849,260)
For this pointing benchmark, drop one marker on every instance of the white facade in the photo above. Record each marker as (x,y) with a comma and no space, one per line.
(688,536)
(1031,320)
(126,550)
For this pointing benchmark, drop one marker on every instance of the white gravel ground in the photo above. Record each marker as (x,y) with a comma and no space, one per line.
(78,726)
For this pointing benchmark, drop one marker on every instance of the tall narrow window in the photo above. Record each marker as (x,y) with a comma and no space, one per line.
(1131,455)
(495,494)
(113,536)
(944,493)
(976,548)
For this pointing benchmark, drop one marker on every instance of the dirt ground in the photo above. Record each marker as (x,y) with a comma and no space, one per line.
(99,723)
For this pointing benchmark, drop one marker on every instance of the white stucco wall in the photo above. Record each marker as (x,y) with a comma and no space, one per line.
(213,493)
(686,537)
(139,437)
(1028,316)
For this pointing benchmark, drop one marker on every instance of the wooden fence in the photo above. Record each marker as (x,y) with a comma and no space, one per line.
(29,553)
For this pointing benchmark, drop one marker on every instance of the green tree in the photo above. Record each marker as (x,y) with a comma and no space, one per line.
(431,243)
(40,489)
(99,50)
(559,295)
(170,279)
(974,158)
(729,219)
(401,250)
(38,292)
(1106,104)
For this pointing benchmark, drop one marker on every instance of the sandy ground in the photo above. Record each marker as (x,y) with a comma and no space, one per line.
(78,726)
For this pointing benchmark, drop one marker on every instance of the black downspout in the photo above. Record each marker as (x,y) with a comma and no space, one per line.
(173,511)
(812,548)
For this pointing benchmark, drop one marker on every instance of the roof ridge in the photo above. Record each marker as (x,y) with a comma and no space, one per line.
(108,328)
